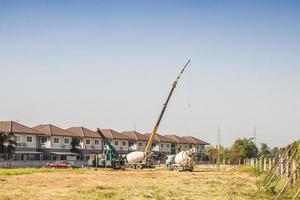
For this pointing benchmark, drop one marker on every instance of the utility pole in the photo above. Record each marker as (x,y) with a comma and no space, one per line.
(218,147)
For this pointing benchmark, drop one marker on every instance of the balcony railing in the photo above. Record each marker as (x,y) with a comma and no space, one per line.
(21,145)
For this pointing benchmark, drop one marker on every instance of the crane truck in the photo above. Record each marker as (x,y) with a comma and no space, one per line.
(139,159)
(110,157)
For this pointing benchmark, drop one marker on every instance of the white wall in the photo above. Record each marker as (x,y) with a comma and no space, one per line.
(61,144)
(164,147)
(92,143)
(136,146)
(120,145)
(23,140)
(46,144)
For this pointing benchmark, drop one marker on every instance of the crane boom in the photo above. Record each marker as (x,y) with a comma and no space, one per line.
(108,143)
(154,131)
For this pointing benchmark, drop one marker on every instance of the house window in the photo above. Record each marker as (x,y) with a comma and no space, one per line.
(190,146)
(140,144)
(56,140)
(168,145)
(180,146)
(130,144)
(88,142)
(154,145)
(17,139)
(43,140)
(198,147)
(161,145)
(124,143)
(185,146)
(116,143)
(67,141)
(96,142)
(29,139)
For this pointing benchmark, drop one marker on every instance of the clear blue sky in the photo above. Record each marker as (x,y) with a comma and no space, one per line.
(111,63)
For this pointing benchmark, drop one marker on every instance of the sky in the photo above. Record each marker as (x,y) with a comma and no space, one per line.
(110,64)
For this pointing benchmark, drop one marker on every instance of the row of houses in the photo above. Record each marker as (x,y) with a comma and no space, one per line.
(49,142)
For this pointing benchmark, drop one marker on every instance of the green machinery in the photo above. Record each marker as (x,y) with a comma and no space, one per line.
(111,158)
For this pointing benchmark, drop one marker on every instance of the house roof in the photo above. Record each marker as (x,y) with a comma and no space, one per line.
(195,140)
(163,138)
(84,132)
(14,127)
(156,138)
(136,135)
(49,129)
(177,139)
(114,135)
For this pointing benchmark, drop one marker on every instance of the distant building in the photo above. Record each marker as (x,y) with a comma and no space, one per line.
(90,143)
(26,139)
(55,142)
(49,142)
(138,141)
(119,141)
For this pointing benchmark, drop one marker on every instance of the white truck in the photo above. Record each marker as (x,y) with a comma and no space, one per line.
(183,161)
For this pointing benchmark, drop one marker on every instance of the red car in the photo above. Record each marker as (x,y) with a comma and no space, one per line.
(61,164)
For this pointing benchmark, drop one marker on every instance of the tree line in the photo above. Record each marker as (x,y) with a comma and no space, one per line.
(240,150)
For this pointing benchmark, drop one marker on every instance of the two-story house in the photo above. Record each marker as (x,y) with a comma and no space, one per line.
(55,142)
(198,144)
(25,139)
(178,143)
(91,142)
(161,146)
(138,142)
(118,140)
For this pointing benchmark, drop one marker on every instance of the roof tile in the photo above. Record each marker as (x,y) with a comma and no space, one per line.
(84,132)
(14,127)
(49,129)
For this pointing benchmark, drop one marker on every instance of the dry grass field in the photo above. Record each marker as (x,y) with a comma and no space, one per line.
(88,184)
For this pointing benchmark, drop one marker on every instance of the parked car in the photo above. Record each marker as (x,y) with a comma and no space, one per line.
(62,164)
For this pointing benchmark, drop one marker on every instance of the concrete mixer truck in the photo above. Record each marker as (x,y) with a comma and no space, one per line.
(183,161)
(139,159)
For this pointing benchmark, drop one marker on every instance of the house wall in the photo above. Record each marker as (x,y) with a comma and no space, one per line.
(61,144)
(123,148)
(92,144)
(23,140)
(165,147)
(183,146)
(46,144)
(138,146)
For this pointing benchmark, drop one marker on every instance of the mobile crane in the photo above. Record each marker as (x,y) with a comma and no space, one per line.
(112,158)
(139,159)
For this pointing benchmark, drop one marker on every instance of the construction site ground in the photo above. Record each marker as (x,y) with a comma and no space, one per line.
(204,183)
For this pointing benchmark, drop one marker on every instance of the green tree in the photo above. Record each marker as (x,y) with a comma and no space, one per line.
(243,148)
(273,152)
(211,153)
(7,143)
(264,150)
(224,154)
(75,145)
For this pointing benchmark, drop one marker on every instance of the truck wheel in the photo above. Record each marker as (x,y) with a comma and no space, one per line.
(132,166)
(139,167)
(176,169)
